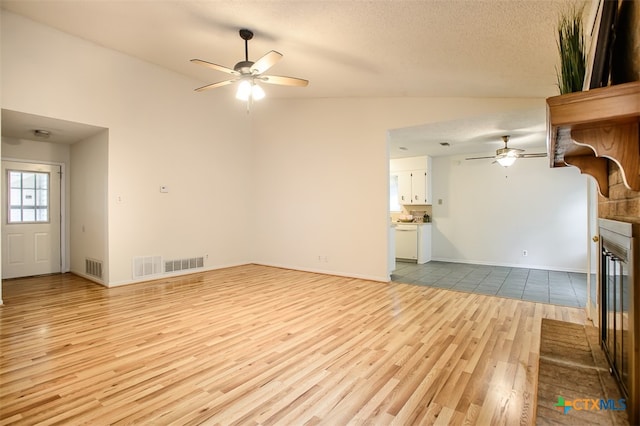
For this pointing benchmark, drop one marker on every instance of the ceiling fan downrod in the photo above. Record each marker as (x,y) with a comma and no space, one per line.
(246,35)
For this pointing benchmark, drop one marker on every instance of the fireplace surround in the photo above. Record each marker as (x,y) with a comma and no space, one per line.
(620,306)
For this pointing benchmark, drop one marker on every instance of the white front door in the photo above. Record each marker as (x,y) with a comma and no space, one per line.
(30,219)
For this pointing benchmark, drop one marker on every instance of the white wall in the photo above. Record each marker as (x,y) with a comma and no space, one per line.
(160,133)
(50,153)
(294,180)
(489,214)
(89,176)
(322,177)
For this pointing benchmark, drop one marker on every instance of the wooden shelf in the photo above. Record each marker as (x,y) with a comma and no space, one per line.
(586,129)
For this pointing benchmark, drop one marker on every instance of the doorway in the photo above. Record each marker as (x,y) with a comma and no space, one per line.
(31,219)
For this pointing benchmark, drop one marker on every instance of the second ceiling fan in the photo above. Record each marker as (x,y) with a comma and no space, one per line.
(249,73)
(507,156)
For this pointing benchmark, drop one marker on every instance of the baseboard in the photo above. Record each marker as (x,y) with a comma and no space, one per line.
(509,265)
(88,277)
(326,272)
(185,272)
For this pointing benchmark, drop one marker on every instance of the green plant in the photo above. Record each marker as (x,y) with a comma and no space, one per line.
(572,55)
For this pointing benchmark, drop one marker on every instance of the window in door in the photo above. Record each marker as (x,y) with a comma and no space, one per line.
(28,197)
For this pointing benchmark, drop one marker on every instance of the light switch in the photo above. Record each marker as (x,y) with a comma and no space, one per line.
(164,188)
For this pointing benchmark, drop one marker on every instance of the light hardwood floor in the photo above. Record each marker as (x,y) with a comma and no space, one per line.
(261,345)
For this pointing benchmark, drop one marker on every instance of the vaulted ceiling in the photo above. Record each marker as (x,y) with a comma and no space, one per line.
(378,48)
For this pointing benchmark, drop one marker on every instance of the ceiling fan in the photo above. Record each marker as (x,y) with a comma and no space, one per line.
(507,156)
(249,73)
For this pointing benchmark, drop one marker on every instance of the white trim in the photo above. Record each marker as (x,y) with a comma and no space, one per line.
(201,270)
(593,252)
(326,272)
(510,265)
(89,278)
(169,275)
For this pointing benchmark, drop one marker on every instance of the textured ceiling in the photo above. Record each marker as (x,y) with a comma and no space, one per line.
(526,129)
(450,48)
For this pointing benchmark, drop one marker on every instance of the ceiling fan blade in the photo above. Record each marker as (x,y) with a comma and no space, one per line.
(480,158)
(266,62)
(214,85)
(284,81)
(215,66)
(534,155)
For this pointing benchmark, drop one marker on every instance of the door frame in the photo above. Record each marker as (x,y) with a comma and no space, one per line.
(593,252)
(64,247)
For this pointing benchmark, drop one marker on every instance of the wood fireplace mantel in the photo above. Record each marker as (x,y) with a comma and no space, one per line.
(587,129)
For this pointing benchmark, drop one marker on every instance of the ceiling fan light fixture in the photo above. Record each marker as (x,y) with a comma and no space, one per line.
(244,91)
(507,156)
(506,161)
(257,92)
(249,90)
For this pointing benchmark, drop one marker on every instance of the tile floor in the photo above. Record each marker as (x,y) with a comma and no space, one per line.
(536,285)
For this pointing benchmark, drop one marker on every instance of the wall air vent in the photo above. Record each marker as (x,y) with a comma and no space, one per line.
(183,264)
(93,267)
(147,265)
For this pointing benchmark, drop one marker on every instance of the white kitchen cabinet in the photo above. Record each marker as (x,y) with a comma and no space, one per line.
(413,187)
(414,184)
(419,187)
(404,187)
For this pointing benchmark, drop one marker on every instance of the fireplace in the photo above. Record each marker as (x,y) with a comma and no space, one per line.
(619,306)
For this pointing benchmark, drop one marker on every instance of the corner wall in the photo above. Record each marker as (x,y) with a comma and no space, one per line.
(89,189)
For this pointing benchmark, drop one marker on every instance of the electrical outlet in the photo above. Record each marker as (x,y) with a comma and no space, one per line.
(525,253)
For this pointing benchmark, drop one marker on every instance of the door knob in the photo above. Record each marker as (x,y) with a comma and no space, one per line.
(595,239)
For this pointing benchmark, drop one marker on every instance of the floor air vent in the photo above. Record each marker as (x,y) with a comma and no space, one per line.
(93,267)
(182,264)
(147,265)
